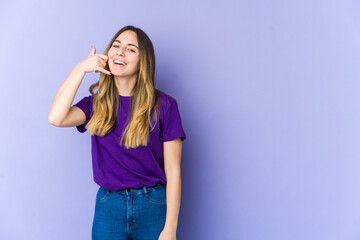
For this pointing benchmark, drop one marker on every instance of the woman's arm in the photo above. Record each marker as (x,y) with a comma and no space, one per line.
(65,96)
(172,160)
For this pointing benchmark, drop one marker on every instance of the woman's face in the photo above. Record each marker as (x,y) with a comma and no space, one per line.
(124,56)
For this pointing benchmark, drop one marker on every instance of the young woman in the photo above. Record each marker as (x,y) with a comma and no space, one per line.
(136,139)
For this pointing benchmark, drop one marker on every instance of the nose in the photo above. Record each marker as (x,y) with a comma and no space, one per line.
(120,52)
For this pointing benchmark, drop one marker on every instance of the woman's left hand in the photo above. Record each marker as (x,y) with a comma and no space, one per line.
(167,235)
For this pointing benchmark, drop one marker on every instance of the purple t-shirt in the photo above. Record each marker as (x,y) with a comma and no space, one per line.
(114,166)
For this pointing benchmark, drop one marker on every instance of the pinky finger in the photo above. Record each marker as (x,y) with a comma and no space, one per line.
(104,71)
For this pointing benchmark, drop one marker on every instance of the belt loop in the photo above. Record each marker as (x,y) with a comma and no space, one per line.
(126,191)
(145,191)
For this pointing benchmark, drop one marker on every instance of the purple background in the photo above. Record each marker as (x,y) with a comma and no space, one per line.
(269,97)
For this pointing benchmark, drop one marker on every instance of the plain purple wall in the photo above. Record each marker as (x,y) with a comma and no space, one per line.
(268,92)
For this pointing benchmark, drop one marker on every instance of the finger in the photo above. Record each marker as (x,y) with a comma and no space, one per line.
(103,56)
(93,51)
(103,70)
(102,61)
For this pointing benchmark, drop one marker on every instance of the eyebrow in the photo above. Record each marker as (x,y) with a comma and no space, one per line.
(128,44)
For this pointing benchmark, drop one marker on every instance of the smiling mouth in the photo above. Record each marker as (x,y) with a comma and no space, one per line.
(119,63)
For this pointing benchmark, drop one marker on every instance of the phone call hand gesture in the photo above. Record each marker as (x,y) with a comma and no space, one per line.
(95,62)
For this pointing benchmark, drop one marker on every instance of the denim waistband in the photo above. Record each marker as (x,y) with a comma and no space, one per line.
(139,190)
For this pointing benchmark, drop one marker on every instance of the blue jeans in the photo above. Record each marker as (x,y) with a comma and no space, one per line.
(137,214)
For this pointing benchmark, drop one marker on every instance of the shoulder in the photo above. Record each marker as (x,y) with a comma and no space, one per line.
(166,100)
(85,101)
(89,99)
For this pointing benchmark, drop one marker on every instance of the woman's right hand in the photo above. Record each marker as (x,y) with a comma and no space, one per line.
(94,62)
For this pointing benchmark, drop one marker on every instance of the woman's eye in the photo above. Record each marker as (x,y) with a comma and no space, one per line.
(131,50)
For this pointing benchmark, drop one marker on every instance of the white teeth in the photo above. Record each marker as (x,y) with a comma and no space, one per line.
(119,62)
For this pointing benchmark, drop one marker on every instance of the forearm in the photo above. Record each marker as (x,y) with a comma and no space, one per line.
(173,198)
(65,96)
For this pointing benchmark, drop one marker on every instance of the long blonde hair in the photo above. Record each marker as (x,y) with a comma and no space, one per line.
(144,103)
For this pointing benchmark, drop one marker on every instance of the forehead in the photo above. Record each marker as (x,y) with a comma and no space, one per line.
(128,37)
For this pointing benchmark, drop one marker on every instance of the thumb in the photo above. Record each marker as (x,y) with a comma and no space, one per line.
(93,50)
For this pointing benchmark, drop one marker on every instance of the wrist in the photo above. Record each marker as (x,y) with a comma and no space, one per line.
(170,228)
(79,68)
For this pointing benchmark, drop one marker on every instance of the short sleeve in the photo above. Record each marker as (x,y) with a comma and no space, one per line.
(85,105)
(172,126)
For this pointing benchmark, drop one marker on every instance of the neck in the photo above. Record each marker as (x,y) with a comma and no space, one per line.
(125,85)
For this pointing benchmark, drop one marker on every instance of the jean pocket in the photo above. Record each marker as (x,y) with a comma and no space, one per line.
(157,195)
(102,194)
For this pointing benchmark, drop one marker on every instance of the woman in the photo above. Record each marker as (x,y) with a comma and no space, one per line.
(136,138)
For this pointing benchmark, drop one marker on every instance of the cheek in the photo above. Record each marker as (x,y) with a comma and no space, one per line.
(137,64)
(111,52)
(135,60)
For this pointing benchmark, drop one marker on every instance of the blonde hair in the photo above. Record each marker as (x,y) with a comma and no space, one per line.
(143,105)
